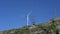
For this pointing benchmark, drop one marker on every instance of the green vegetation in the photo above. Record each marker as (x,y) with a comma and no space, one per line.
(51,29)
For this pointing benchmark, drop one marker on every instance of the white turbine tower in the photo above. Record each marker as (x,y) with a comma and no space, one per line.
(27,17)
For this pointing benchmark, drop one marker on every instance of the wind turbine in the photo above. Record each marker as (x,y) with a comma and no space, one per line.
(55,13)
(27,18)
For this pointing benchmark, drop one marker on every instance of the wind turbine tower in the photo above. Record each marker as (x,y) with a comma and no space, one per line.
(55,16)
(27,17)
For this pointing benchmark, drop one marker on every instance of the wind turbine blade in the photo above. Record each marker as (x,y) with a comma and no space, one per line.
(29,13)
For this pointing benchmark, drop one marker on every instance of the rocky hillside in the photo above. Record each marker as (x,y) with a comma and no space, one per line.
(51,27)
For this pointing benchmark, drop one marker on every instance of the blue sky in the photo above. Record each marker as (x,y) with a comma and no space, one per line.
(13,12)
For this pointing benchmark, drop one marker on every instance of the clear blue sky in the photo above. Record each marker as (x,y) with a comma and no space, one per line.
(13,12)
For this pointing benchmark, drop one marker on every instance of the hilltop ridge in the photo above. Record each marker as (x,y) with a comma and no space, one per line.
(53,25)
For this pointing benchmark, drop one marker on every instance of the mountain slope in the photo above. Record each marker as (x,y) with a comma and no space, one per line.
(49,28)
